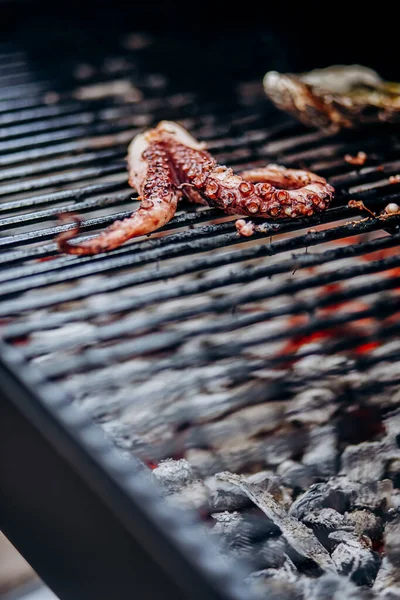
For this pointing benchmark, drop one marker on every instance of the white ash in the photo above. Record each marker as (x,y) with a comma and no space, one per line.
(174,475)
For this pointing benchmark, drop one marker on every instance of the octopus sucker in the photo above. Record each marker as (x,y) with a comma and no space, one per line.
(166,163)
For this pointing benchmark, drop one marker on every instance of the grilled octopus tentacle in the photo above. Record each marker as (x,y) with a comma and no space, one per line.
(269,192)
(150,173)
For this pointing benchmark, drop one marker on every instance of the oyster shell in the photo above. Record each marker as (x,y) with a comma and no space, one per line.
(336,97)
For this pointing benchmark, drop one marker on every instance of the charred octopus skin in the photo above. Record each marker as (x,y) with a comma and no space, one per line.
(167,163)
(151,174)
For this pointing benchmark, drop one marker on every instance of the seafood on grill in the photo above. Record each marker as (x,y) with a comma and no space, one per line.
(166,163)
(335,97)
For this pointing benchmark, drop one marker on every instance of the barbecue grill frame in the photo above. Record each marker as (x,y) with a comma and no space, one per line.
(60,474)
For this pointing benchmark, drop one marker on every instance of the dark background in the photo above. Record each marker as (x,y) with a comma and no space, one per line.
(283,35)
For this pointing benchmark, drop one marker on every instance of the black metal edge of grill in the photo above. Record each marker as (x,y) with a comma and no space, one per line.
(116,535)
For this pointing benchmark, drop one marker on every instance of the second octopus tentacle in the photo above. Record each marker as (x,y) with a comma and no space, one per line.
(268,192)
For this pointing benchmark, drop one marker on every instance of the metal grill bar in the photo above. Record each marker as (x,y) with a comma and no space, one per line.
(135,348)
(161,342)
(132,326)
(286,266)
(238,372)
(175,249)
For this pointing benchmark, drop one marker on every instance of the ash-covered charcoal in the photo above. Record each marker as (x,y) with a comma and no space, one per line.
(364,462)
(277,583)
(177,479)
(193,496)
(365,522)
(374,495)
(333,587)
(251,536)
(325,522)
(321,453)
(296,475)
(318,496)
(299,537)
(393,471)
(173,475)
(274,552)
(392,542)
(353,557)
(272,484)
(223,496)
(392,593)
(388,578)
(285,571)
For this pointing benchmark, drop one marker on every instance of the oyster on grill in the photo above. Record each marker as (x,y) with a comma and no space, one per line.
(335,97)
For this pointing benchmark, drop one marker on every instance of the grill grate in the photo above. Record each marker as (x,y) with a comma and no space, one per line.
(166,340)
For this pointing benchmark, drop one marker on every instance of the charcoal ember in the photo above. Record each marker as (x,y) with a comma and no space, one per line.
(374,495)
(392,542)
(173,475)
(323,523)
(298,536)
(321,452)
(312,406)
(353,557)
(365,522)
(318,496)
(364,462)
(333,587)
(296,475)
